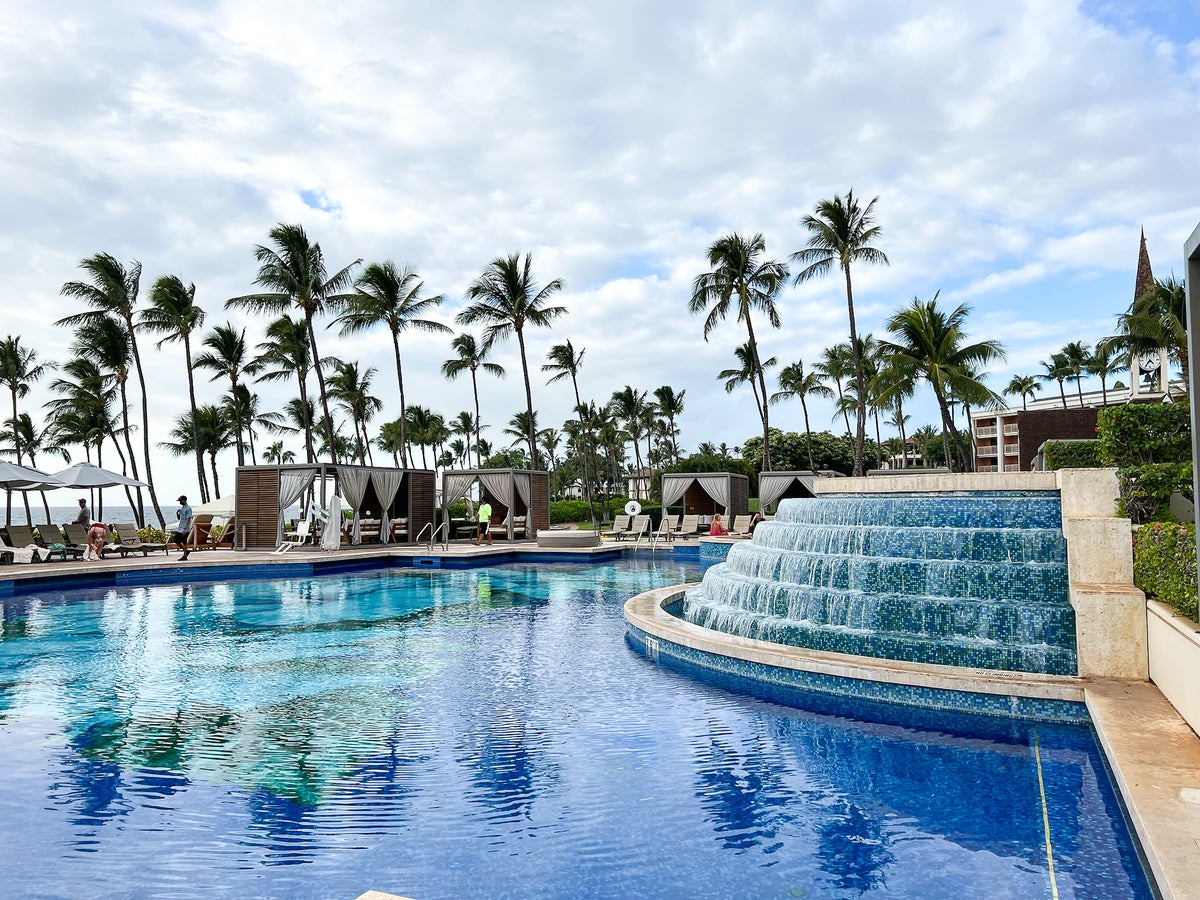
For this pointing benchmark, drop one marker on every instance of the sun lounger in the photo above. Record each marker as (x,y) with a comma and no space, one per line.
(399,529)
(23,536)
(30,554)
(640,525)
(689,526)
(620,524)
(666,528)
(127,541)
(297,539)
(741,526)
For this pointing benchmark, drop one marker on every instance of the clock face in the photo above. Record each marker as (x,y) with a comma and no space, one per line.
(1149,362)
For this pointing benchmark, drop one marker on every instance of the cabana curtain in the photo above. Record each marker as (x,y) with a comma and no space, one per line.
(352,484)
(499,485)
(673,489)
(292,485)
(456,487)
(772,487)
(524,491)
(716,486)
(387,484)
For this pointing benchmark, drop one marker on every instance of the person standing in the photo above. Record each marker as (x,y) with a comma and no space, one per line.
(485,523)
(185,525)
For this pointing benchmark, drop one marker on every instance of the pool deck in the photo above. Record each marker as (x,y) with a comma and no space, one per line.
(1154,755)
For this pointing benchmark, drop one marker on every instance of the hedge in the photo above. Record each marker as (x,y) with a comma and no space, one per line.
(1146,490)
(1164,565)
(1140,433)
(1073,455)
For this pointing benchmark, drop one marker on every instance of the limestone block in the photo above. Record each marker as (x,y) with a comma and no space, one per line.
(1099,550)
(1110,631)
(1088,493)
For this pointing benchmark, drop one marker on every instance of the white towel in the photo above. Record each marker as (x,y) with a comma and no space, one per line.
(32,553)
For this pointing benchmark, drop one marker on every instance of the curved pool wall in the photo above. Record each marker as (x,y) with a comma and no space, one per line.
(975,579)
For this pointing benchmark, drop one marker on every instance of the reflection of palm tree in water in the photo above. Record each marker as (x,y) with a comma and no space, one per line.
(508,776)
(853,848)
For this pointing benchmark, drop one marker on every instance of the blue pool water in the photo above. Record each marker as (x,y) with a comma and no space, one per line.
(489,732)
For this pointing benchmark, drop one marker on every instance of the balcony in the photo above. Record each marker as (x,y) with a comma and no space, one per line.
(989,432)
(1012,430)
(985,469)
(1012,449)
(987,451)
(1012,467)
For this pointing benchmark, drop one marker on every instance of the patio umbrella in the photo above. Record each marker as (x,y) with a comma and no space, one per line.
(23,478)
(222,506)
(331,536)
(86,475)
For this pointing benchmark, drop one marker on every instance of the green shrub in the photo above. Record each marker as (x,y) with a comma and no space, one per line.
(1073,455)
(1146,490)
(152,535)
(1164,565)
(1139,433)
(570,511)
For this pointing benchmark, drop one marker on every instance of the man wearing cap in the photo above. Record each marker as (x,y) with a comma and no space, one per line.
(185,525)
(85,515)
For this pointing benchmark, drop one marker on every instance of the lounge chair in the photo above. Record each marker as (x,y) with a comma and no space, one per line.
(127,541)
(75,536)
(399,529)
(620,524)
(640,524)
(519,526)
(298,538)
(666,528)
(14,553)
(227,535)
(23,536)
(741,526)
(689,526)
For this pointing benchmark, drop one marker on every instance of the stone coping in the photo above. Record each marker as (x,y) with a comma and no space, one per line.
(1154,755)
(938,483)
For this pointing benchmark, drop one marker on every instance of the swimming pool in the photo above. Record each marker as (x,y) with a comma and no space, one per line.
(489,732)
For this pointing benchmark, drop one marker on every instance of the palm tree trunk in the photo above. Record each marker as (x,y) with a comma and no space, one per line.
(807,435)
(903,436)
(475,394)
(312,343)
(860,380)
(237,418)
(138,512)
(200,477)
(212,461)
(762,385)
(1062,393)
(403,408)
(533,454)
(137,362)
(310,455)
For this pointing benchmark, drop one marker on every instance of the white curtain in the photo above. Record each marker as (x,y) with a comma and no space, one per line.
(674,487)
(352,484)
(455,487)
(292,485)
(524,487)
(499,485)
(717,487)
(331,537)
(772,487)
(386,483)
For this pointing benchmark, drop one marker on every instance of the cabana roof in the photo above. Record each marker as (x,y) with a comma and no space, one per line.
(514,488)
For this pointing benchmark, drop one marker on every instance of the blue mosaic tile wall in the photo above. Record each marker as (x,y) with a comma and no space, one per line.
(964,579)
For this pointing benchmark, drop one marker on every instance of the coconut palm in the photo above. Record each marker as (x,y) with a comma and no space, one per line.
(276,455)
(1157,320)
(351,388)
(670,407)
(563,362)
(471,358)
(505,299)
(933,343)
(424,426)
(249,409)
(746,372)
(629,406)
(212,428)
(841,233)
(1107,359)
(19,370)
(34,442)
(1057,369)
(286,354)
(1076,354)
(837,365)
(386,295)
(113,291)
(294,274)
(389,440)
(300,417)
(228,357)
(741,275)
(1024,386)
(795,383)
(895,383)
(174,314)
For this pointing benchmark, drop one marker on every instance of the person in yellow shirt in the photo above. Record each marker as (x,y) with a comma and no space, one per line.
(485,521)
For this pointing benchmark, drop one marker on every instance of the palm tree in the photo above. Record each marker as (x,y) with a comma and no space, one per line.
(505,299)
(841,232)
(351,388)
(794,382)
(276,455)
(300,417)
(252,414)
(923,437)
(740,271)
(471,358)
(212,428)
(389,440)
(113,290)
(1024,386)
(895,382)
(19,369)
(1157,320)
(32,441)
(227,357)
(629,406)
(837,364)
(424,425)
(1106,360)
(746,373)
(933,343)
(670,407)
(173,313)
(385,295)
(1076,355)
(284,354)
(294,272)
(1057,369)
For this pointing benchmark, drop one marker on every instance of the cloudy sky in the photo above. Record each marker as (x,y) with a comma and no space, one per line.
(1016,149)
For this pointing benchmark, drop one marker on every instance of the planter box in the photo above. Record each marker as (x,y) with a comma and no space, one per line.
(1174,648)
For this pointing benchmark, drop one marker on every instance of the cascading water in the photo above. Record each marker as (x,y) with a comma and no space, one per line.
(965,579)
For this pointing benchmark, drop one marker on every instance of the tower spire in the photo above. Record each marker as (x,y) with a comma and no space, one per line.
(1145,277)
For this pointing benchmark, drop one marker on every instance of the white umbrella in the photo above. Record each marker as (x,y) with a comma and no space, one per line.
(331,537)
(24,478)
(222,506)
(85,475)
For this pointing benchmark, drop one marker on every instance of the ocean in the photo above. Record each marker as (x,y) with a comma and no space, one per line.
(111,512)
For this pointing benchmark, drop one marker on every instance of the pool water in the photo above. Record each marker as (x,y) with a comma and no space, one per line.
(489,732)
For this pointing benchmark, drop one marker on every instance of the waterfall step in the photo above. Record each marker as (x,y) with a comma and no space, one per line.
(919,542)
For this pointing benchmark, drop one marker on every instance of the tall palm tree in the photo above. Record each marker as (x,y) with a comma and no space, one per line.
(895,383)
(174,314)
(933,343)
(1057,369)
(352,389)
(424,427)
(19,370)
(300,417)
(747,372)
(1157,320)
(33,442)
(505,299)
(670,407)
(249,409)
(841,233)
(794,382)
(276,455)
(563,362)
(629,406)
(213,428)
(385,295)
(113,290)
(472,357)
(923,437)
(741,275)
(1024,386)
(284,354)
(837,365)
(1076,355)
(1107,359)
(228,357)
(389,440)
(294,274)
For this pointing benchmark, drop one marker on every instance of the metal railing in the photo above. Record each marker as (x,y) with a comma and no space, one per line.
(645,529)
(987,451)
(433,533)
(1010,430)
(988,431)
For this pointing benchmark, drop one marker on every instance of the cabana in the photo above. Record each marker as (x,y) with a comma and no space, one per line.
(513,494)
(386,502)
(776,486)
(707,493)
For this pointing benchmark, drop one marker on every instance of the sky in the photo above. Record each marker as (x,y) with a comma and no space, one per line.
(1016,150)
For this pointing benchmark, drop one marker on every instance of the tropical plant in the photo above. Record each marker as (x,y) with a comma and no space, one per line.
(34,442)
(795,383)
(424,428)
(284,354)
(933,343)
(841,233)
(386,295)
(471,358)
(1107,359)
(837,365)
(1076,355)
(19,369)
(251,413)
(174,314)
(504,299)
(670,408)
(113,290)
(740,275)
(212,428)
(228,357)
(1057,369)
(293,272)
(1024,386)
(629,406)
(563,362)
(276,455)
(747,372)
(1157,320)
(351,388)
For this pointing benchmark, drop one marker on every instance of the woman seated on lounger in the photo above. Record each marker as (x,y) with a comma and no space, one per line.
(717,528)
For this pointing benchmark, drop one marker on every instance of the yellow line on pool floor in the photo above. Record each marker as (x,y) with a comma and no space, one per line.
(1037,757)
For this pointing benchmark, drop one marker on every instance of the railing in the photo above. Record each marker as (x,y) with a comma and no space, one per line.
(669,535)
(989,431)
(433,533)
(987,451)
(1012,467)
(985,469)
(1010,430)
(644,529)
(1012,449)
